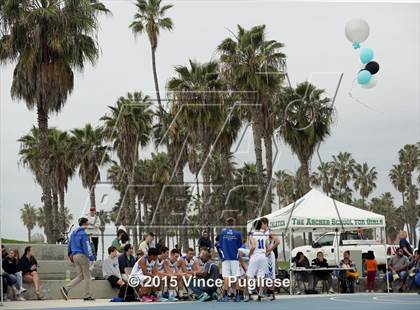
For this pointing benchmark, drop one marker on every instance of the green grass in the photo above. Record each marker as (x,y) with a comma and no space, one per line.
(283,264)
(12,241)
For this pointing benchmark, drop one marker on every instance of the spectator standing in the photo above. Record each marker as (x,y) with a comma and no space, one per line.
(80,253)
(161,244)
(204,241)
(126,260)
(347,277)
(324,275)
(405,245)
(29,267)
(398,266)
(111,271)
(93,229)
(146,243)
(371,267)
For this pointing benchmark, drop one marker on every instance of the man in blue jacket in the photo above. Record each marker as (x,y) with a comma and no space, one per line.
(80,253)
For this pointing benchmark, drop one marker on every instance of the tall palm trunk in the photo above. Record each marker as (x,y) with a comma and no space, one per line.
(268,143)
(92,197)
(155,77)
(257,136)
(29,235)
(55,215)
(44,168)
(304,164)
(62,219)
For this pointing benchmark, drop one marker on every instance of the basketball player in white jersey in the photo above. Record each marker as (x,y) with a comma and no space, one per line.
(145,267)
(173,270)
(273,242)
(198,265)
(187,262)
(161,261)
(243,255)
(258,256)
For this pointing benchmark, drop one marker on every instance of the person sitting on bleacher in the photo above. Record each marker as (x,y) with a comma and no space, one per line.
(126,260)
(398,266)
(323,275)
(111,271)
(347,277)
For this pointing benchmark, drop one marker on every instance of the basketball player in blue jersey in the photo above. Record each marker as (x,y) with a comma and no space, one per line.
(230,241)
(273,242)
(146,267)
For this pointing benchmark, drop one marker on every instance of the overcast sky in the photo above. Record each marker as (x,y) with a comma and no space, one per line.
(370,124)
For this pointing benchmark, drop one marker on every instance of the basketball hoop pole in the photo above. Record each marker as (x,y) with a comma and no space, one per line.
(1,264)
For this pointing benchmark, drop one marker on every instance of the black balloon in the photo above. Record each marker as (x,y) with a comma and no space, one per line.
(372,67)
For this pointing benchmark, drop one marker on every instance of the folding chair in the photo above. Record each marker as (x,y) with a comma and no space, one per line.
(127,271)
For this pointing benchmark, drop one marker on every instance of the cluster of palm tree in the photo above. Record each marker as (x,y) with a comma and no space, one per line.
(207,106)
(32,216)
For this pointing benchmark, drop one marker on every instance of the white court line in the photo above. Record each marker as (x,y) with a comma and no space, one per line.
(375,301)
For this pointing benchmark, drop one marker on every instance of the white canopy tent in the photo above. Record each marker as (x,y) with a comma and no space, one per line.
(315,211)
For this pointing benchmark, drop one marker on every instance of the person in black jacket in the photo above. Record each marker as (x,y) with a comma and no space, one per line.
(301,261)
(29,267)
(324,275)
(11,267)
(126,260)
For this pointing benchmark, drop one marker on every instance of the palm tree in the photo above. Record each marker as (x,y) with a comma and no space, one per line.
(61,167)
(305,121)
(324,177)
(284,187)
(150,18)
(250,63)
(398,179)
(48,40)
(28,217)
(364,180)
(198,102)
(343,167)
(90,154)
(129,126)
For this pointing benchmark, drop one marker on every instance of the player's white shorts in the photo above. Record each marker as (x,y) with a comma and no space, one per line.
(230,268)
(271,267)
(257,265)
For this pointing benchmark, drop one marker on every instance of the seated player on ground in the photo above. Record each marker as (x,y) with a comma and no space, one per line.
(144,270)
(198,265)
(187,262)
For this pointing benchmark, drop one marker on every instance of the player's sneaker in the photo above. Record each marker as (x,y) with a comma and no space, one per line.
(154,298)
(237,298)
(204,297)
(246,298)
(224,299)
(172,299)
(146,298)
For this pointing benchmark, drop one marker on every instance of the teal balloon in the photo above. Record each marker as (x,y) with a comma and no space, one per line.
(366,55)
(364,77)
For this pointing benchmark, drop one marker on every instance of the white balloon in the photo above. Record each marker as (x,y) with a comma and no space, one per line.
(357,30)
(371,84)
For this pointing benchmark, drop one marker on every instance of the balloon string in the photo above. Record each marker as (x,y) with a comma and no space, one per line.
(353,86)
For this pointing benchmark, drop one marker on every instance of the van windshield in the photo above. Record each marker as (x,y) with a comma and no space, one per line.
(325,240)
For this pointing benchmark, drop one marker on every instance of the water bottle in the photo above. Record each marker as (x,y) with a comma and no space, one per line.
(67,275)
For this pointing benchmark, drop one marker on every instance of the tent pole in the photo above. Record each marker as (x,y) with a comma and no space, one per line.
(290,262)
